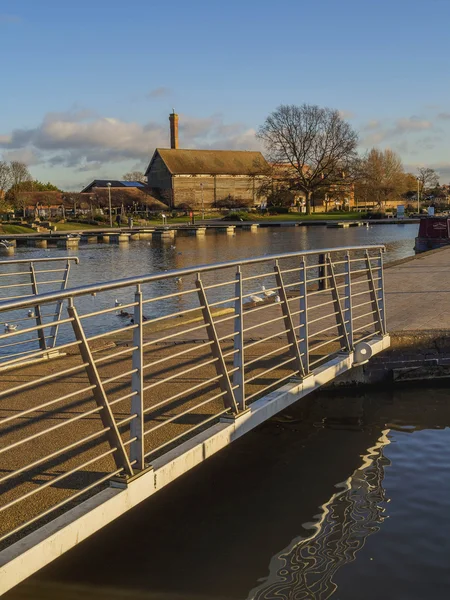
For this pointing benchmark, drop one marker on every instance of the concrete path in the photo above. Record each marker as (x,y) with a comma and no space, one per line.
(418,292)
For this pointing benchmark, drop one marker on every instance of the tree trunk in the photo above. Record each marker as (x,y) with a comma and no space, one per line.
(308,202)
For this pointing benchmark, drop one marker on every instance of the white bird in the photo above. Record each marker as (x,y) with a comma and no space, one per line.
(254,298)
(267,293)
(9,327)
(117,303)
(172,247)
(277,298)
(178,279)
(31,313)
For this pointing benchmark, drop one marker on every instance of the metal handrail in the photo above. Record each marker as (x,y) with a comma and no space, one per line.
(144,279)
(131,393)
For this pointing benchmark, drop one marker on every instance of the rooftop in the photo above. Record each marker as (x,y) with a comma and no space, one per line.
(212,162)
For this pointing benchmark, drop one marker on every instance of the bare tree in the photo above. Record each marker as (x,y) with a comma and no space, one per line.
(5,177)
(19,174)
(381,177)
(316,144)
(134,176)
(428,178)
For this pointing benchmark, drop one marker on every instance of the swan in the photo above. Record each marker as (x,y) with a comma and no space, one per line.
(254,298)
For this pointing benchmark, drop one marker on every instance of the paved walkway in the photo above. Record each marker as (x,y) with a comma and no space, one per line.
(418,292)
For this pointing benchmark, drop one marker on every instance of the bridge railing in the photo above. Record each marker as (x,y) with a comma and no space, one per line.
(150,361)
(20,279)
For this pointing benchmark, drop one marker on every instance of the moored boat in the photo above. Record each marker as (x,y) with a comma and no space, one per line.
(434,232)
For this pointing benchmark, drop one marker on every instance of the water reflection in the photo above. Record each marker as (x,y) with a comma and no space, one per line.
(306,568)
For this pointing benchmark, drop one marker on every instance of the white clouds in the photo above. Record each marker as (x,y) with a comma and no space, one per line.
(83,140)
(392,131)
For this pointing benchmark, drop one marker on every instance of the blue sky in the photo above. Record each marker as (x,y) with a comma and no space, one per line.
(87,86)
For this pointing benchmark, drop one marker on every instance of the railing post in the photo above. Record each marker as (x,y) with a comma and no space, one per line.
(348,312)
(374,295)
(303,316)
(219,363)
(37,309)
(100,397)
(238,357)
(324,282)
(342,329)
(59,306)
(381,295)
(291,336)
(137,401)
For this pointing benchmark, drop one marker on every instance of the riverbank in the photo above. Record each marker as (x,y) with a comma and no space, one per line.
(418,320)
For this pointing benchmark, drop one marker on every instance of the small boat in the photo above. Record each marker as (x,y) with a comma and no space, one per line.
(434,232)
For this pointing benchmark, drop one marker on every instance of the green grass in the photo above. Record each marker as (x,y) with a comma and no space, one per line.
(73,226)
(16,229)
(335,216)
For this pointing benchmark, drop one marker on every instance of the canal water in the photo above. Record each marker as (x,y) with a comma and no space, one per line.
(342,496)
(106,262)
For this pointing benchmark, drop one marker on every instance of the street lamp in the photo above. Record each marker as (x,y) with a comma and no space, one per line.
(418,195)
(109,200)
(203,208)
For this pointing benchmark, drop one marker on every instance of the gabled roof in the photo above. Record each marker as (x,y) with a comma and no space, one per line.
(103,183)
(211,162)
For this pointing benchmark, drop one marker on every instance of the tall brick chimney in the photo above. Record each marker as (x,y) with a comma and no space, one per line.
(173,118)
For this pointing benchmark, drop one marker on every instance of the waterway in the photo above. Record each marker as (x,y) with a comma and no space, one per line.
(106,262)
(342,497)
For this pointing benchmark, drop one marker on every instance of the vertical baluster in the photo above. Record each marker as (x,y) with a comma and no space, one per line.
(229,398)
(137,401)
(99,393)
(340,318)
(288,322)
(59,306)
(303,316)
(374,295)
(37,309)
(238,357)
(348,313)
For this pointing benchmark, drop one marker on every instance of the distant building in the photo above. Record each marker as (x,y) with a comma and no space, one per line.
(115,184)
(191,178)
(126,194)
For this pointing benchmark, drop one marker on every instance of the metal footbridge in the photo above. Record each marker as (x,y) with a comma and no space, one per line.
(109,392)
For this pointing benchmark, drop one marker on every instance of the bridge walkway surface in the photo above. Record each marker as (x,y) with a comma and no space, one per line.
(193,378)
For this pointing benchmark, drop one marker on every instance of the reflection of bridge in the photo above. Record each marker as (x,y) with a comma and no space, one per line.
(134,401)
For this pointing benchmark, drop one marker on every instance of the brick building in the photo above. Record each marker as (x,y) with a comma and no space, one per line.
(196,178)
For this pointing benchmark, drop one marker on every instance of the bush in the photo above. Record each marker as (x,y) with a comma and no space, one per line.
(376,214)
(278,210)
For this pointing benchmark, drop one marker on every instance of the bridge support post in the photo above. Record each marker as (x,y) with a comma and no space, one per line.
(229,398)
(59,306)
(137,401)
(303,316)
(100,397)
(348,313)
(340,317)
(374,291)
(37,310)
(238,357)
(292,338)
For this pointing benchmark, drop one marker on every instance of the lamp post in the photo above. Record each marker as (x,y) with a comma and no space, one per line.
(203,208)
(109,200)
(418,195)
